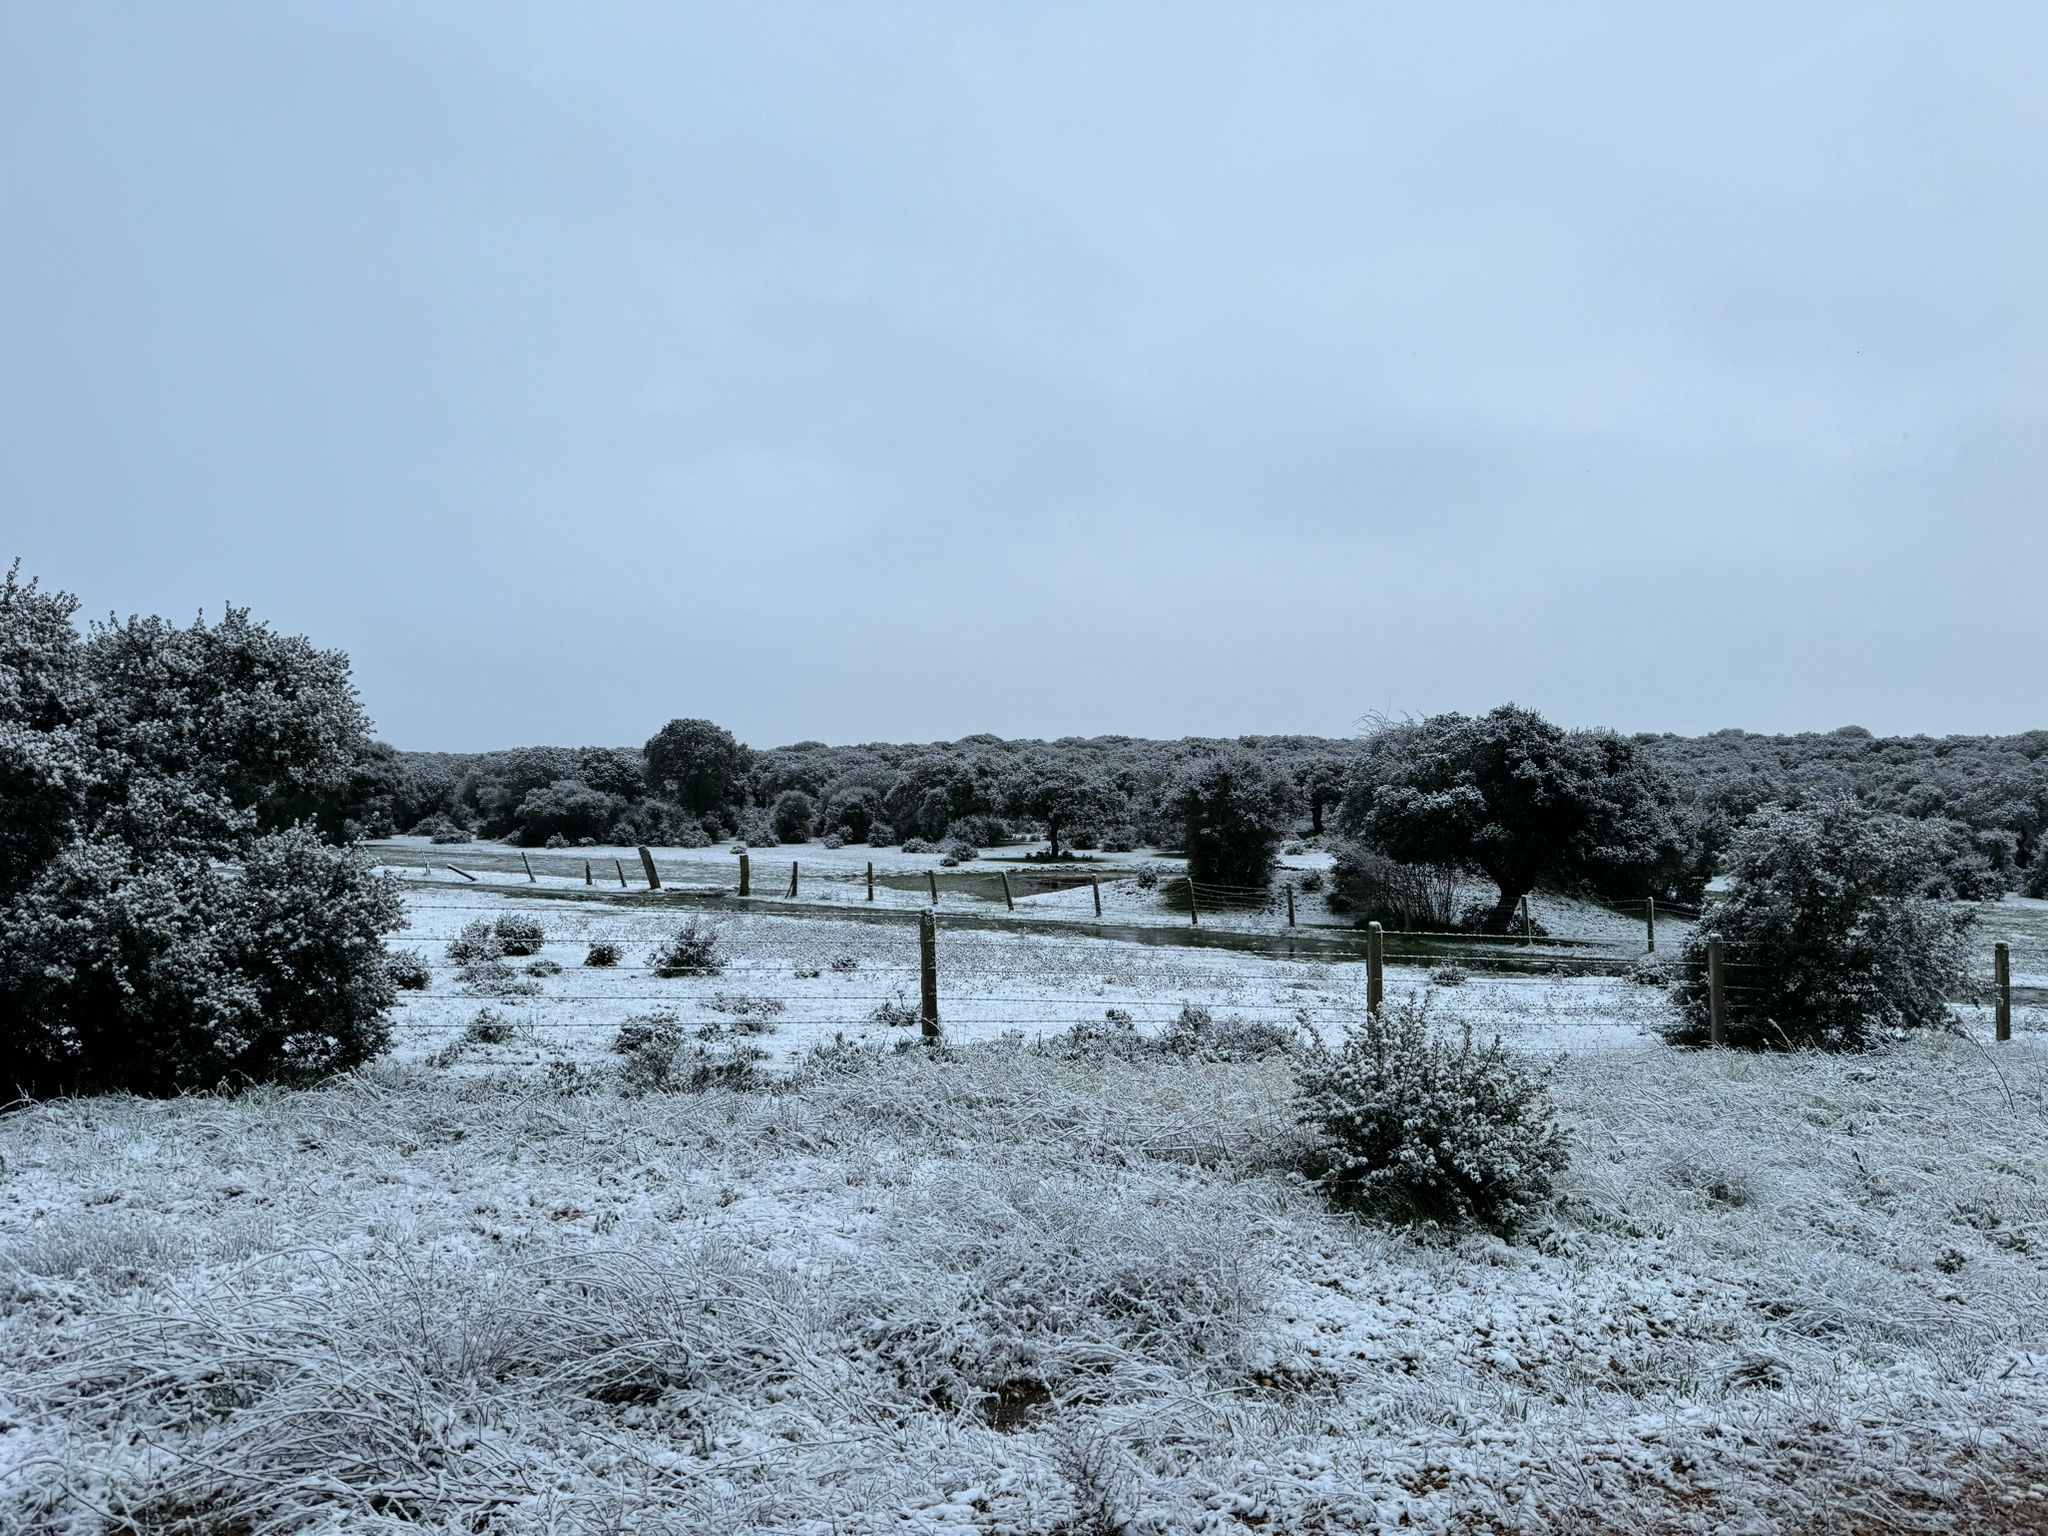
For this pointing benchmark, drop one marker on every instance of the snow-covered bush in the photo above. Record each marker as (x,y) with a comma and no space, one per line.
(478,940)
(1413,898)
(919,845)
(657,1057)
(119,971)
(544,968)
(408,970)
(1825,934)
(838,839)
(519,934)
(1419,1126)
(955,851)
(793,815)
(603,952)
(440,828)
(1198,1033)
(1448,974)
(489,1027)
(695,949)
(1311,882)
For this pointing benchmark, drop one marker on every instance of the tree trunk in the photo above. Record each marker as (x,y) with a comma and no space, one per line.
(1052,829)
(1501,919)
(1315,816)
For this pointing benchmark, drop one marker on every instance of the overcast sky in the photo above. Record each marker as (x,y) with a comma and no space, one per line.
(898,372)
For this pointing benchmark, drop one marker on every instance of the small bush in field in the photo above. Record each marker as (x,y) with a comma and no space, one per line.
(556,840)
(1448,974)
(477,941)
(694,950)
(408,970)
(845,965)
(659,1058)
(1147,878)
(488,1028)
(956,850)
(835,839)
(1198,1033)
(804,972)
(1421,1127)
(897,1013)
(519,934)
(602,952)
(1311,881)
(919,845)
(494,977)
(544,968)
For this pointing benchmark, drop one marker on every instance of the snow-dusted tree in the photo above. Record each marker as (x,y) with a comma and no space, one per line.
(699,765)
(153,934)
(1061,793)
(1234,809)
(1517,798)
(794,815)
(1826,933)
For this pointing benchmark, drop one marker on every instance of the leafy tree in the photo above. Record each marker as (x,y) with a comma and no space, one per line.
(1233,809)
(154,934)
(793,816)
(1060,794)
(700,766)
(1320,782)
(1515,797)
(567,808)
(1826,931)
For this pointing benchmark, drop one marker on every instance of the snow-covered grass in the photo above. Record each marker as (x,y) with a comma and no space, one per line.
(1001,1289)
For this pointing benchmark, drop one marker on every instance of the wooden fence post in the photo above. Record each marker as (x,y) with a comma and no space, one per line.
(647,863)
(871,879)
(1528,931)
(465,874)
(931,878)
(792,879)
(587,877)
(1004,874)
(1650,919)
(529,866)
(746,875)
(1290,905)
(621,868)
(1096,886)
(2001,976)
(1375,967)
(928,974)
(1717,1003)
(1194,908)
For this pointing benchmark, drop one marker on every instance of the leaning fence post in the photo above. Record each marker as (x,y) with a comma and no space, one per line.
(621,868)
(529,865)
(792,879)
(871,879)
(1650,919)
(1004,875)
(1194,907)
(647,862)
(1096,886)
(1375,966)
(928,974)
(1290,905)
(1717,1003)
(465,874)
(746,875)
(932,879)
(2001,975)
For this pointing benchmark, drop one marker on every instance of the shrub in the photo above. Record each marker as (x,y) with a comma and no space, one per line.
(518,934)
(695,950)
(804,972)
(793,815)
(837,839)
(1147,878)
(1448,974)
(1825,933)
(477,941)
(845,965)
(897,1013)
(556,840)
(1414,898)
(660,1059)
(754,1015)
(1311,881)
(119,972)
(489,1027)
(439,828)
(408,970)
(919,845)
(1197,1033)
(602,952)
(977,831)
(1417,1127)
(545,968)
(957,851)
(1119,840)
(492,976)
(881,835)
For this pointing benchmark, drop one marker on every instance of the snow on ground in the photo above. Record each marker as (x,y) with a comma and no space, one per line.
(1006,1288)
(823,978)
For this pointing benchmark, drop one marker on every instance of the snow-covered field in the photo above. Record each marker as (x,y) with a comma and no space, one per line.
(1005,1288)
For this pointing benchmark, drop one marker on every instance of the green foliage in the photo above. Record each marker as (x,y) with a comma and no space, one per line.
(1826,933)
(1520,799)
(1419,1127)
(793,816)
(1233,809)
(566,809)
(699,765)
(122,971)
